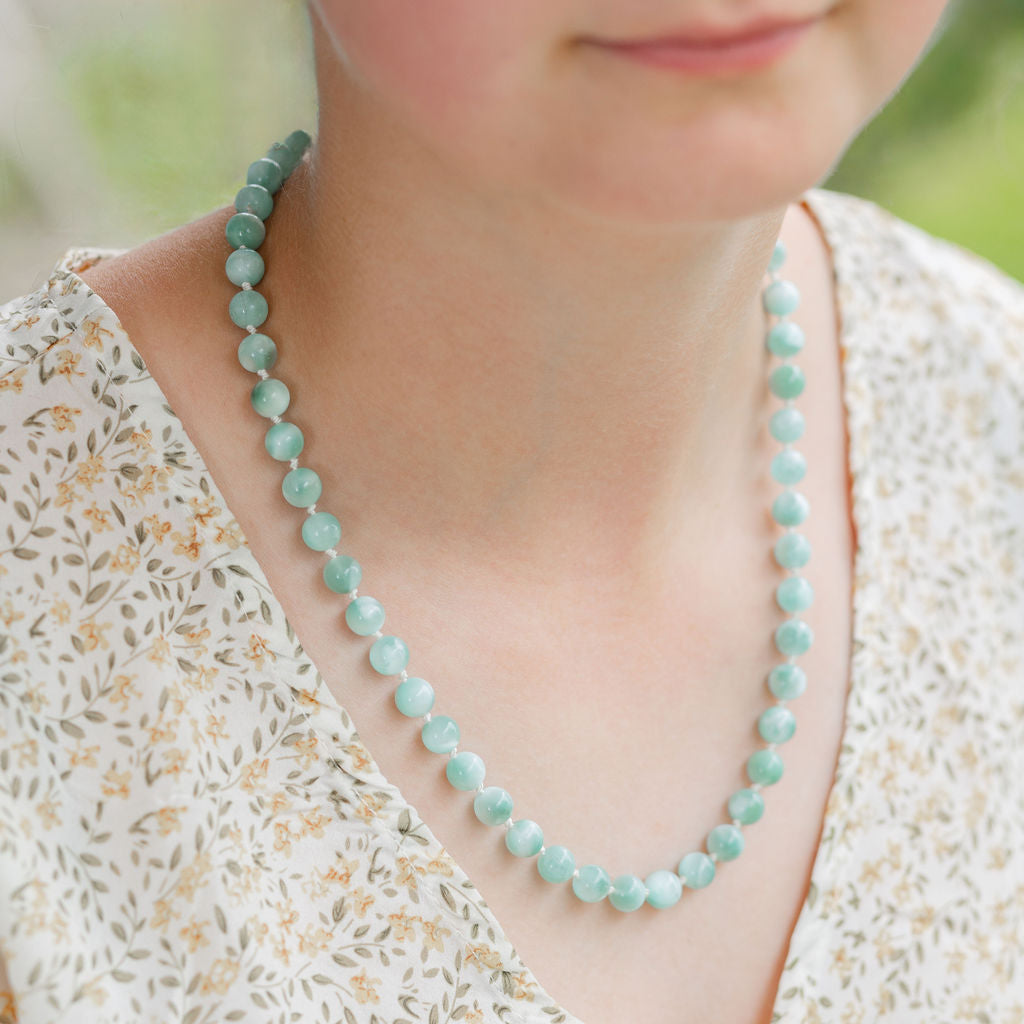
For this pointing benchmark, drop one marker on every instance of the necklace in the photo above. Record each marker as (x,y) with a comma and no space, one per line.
(389,655)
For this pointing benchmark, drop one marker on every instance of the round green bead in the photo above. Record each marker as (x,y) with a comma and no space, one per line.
(493,805)
(465,770)
(787,381)
(440,734)
(764,767)
(790,508)
(778,256)
(746,806)
(663,889)
(245,229)
(776,724)
(270,397)
(257,352)
(284,441)
(556,864)
(785,339)
(254,199)
(524,838)
(365,615)
(787,682)
(697,869)
(389,655)
(787,425)
(265,172)
(794,594)
(592,883)
(792,550)
(281,154)
(244,266)
(788,467)
(301,487)
(628,893)
(725,842)
(343,574)
(321,531)
(414,697)
(248,309)
(297,142)
(781,298)
(794,636)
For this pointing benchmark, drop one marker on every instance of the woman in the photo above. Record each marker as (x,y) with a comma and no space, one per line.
(517,289)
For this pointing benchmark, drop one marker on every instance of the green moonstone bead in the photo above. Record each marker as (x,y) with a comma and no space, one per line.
(301,487)
(257,351)
(248,309)
(787,682)
(321,531)
(414,697)
(265,172)
(270,397)
(297,142)
(778,257)
(781,297)
(440,734)
(365,615)
(790,508)
(343,574)
(794,636)
(556,864)
(785,339)
(389,655)
(592,883)
(244,266)
(663,889)
(788,467)
(254,199)
(465,770)
(787,381)
(794,594)
(746,806)
(281,154)
(245,229)
(493,805)
(787,425)
(776,725)
(628,893)
(725,842)
(764,767)
(524,838)
(792,551)
(284,441)
(697,869)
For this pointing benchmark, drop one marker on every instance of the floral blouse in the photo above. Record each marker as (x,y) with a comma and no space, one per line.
(191,829)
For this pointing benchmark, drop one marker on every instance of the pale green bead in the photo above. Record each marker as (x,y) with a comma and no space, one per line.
(592,883)
(365,615)
(465,770)
(257,352)
(788,467)
(697,870)
(265,172)
(556,864)
(794,636)
(746,806)
(297,141)
(524,838)
(787,381)
(254,199)
(794,594)
(301,487)
(781,297)
(248,309)
(725,842)
(787,425)
(764,767)
(787,682)
(321,531)
(792,550)
(244,266)
(785,339)
(776,724)
(628,893)
(663,889)
(389,655)
(493,805)
(790,508)
(778,256)
(414,697)
(245,229)
(284,441)
(440,734)
(270,397)
(281,154)
(343,574)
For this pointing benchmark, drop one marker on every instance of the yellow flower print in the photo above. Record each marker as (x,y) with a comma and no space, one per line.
(522,988)
(117,783)
(193,934)
(313,940)
(187,545)
(29,321)
(176,760)
(65,493)
(163,911)
(280,948)
(93,634)
(202,678)
(304,748)
(403,926)
(164,731)
(359,755)
(157,527)
(90,327)
(126,558)
(124,690)
(280,801)
(95,991)
(220,976)
(342,871)
(9,614)
(195,638)
(407,871)
(482,956)
(283,837)
(47,811)
(203,509)
(434,933)
(308,697)
(64,416)
(474,1016)
(362,901)
(160,652)
(313,824)
(287,915)
(28,752)
(83,755)
(257,929)
(364,986)
(254,774)
(369,805)
(169,819)
(258,650)
(215,727)
(441,865)
(99,518)
(192,875)
(89,470)
(36,697)
(230,535)
(143,440)
(12,381)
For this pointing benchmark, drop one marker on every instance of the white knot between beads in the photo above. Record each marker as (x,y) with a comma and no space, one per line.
(427,717)
(453,752)
(294,463)
(251,329)
(331,553)
(479,787)
(403,675)
(246,287)
(737,822)
(310,509)
(377,633)
(275,419)
(509,822)
(575,872)
(262,374)
(713,856)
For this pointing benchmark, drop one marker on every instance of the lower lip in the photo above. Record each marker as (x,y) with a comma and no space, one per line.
(705,57)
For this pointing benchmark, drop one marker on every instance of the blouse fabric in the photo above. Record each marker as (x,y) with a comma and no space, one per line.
(191,829)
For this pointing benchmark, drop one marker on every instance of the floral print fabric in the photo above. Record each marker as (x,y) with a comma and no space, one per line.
(191,829)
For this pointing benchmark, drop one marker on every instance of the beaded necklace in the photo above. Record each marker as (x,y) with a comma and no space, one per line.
(389,655)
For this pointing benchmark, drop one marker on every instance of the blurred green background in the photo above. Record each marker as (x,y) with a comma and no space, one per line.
(153,107)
